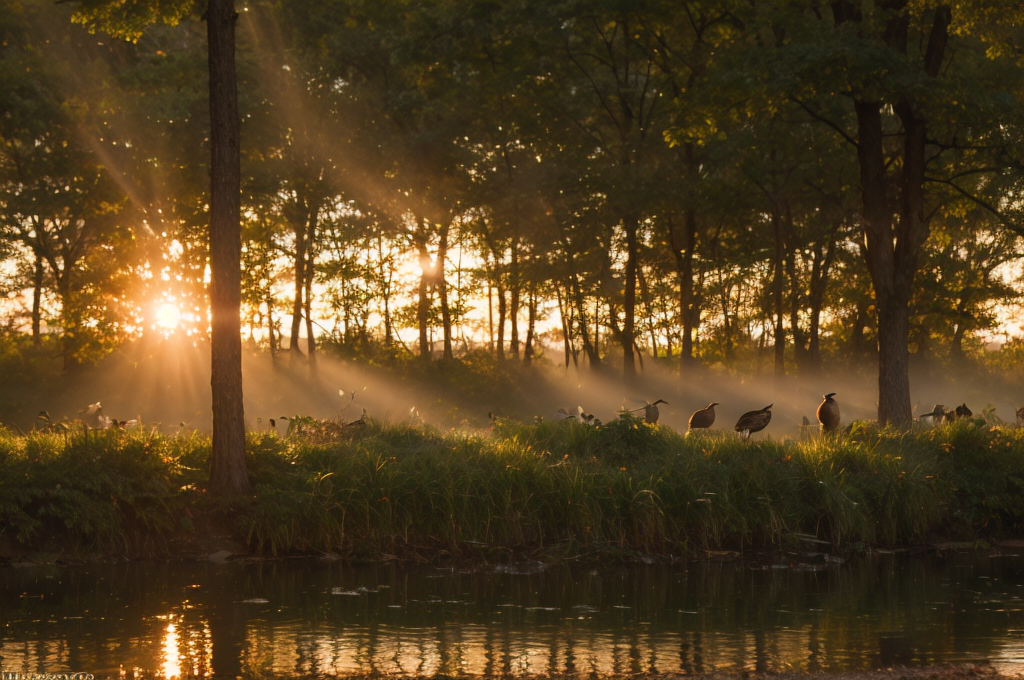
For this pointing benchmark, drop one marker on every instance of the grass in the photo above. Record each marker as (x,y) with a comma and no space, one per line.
(545,489)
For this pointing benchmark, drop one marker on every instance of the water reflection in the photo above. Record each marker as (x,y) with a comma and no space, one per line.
(308,618)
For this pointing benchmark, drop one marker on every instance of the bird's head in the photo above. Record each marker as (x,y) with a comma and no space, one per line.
(829,396)
(713,404)
(768,407)
(660,401)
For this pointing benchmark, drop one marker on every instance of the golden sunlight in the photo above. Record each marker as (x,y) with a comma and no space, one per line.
(168,315)
(172,662)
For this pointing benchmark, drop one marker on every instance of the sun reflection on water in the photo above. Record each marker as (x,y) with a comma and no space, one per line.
(171,667)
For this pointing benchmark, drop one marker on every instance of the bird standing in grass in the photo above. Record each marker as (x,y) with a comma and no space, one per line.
(754,421)
(828,413)
(704,418)
(651,413)
(963,412)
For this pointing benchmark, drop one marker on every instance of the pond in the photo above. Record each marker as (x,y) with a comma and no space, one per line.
(315,617)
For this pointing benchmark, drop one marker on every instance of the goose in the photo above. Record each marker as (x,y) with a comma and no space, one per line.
(704,418)
(754,421)
(828,413)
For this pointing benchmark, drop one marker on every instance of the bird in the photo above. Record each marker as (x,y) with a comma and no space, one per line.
(650,412)
(754,421)
(962,411)
(828,413)
(937,415)
(704,418)
(587,418)
(1020,416)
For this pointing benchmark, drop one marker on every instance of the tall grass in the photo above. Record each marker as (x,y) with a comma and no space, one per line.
(550,489)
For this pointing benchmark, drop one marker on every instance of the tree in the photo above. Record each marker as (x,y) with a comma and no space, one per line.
(227,463)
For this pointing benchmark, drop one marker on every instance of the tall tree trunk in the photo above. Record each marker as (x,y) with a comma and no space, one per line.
(683,246)
(300,286)
(629,305)
(502,313)
(227,461)
(530,328)
(423,306)
(442,290)
(310,273)
(780,333)
(515,286)
(37,294)
(308,313)
(490,315)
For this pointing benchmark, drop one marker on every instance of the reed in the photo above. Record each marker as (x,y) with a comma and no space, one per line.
(547,489)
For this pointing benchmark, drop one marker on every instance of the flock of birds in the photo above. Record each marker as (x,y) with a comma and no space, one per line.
(827,414)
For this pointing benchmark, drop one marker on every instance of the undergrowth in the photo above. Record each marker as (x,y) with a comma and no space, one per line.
(549,489)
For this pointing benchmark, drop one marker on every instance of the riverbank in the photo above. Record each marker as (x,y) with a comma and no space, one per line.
(549,491)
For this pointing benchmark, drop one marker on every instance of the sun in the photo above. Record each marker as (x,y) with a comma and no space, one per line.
(167,316)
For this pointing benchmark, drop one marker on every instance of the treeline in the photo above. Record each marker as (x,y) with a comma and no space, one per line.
(718,183)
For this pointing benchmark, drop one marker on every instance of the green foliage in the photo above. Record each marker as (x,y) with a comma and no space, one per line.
(552,488)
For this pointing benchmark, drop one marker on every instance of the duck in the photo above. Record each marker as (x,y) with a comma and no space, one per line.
(754,421)
(828,413)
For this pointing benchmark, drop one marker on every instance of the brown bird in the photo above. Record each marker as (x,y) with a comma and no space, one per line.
(828,413)
(963,412)
(754,421)
(704,418)
(1020,416)
(651,413)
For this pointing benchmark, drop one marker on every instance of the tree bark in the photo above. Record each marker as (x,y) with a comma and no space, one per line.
(779,333)
(227,461)
(37,294)
(530,329)
(514,287)
(300,286)
(629,302)
(442,291)
(423,307)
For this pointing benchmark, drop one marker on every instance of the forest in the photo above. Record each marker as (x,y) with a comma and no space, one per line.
(760,188)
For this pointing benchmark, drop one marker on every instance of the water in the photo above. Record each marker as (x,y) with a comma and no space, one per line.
(308,617)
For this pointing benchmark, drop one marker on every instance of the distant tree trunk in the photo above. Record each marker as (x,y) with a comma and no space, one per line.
(514,286)
(820,268)
(270,323)
(530,328)
(227,461)
(780,333)
(683,246)
(300,285)
(502,313)
(310,273)
(589,348)
(563,314)
(385,277)
(423,307)
(37,294)
(490,315)
(308,310)
(631,225)
(442,289)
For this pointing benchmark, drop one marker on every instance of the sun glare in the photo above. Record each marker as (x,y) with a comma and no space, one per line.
(167,316)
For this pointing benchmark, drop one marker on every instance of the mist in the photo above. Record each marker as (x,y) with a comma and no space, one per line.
(164,383)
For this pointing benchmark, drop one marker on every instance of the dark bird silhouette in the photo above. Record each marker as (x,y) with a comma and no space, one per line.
(828,413)
(1020,416)
(704,418)
(754,421)
(963,412)
(650,412)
